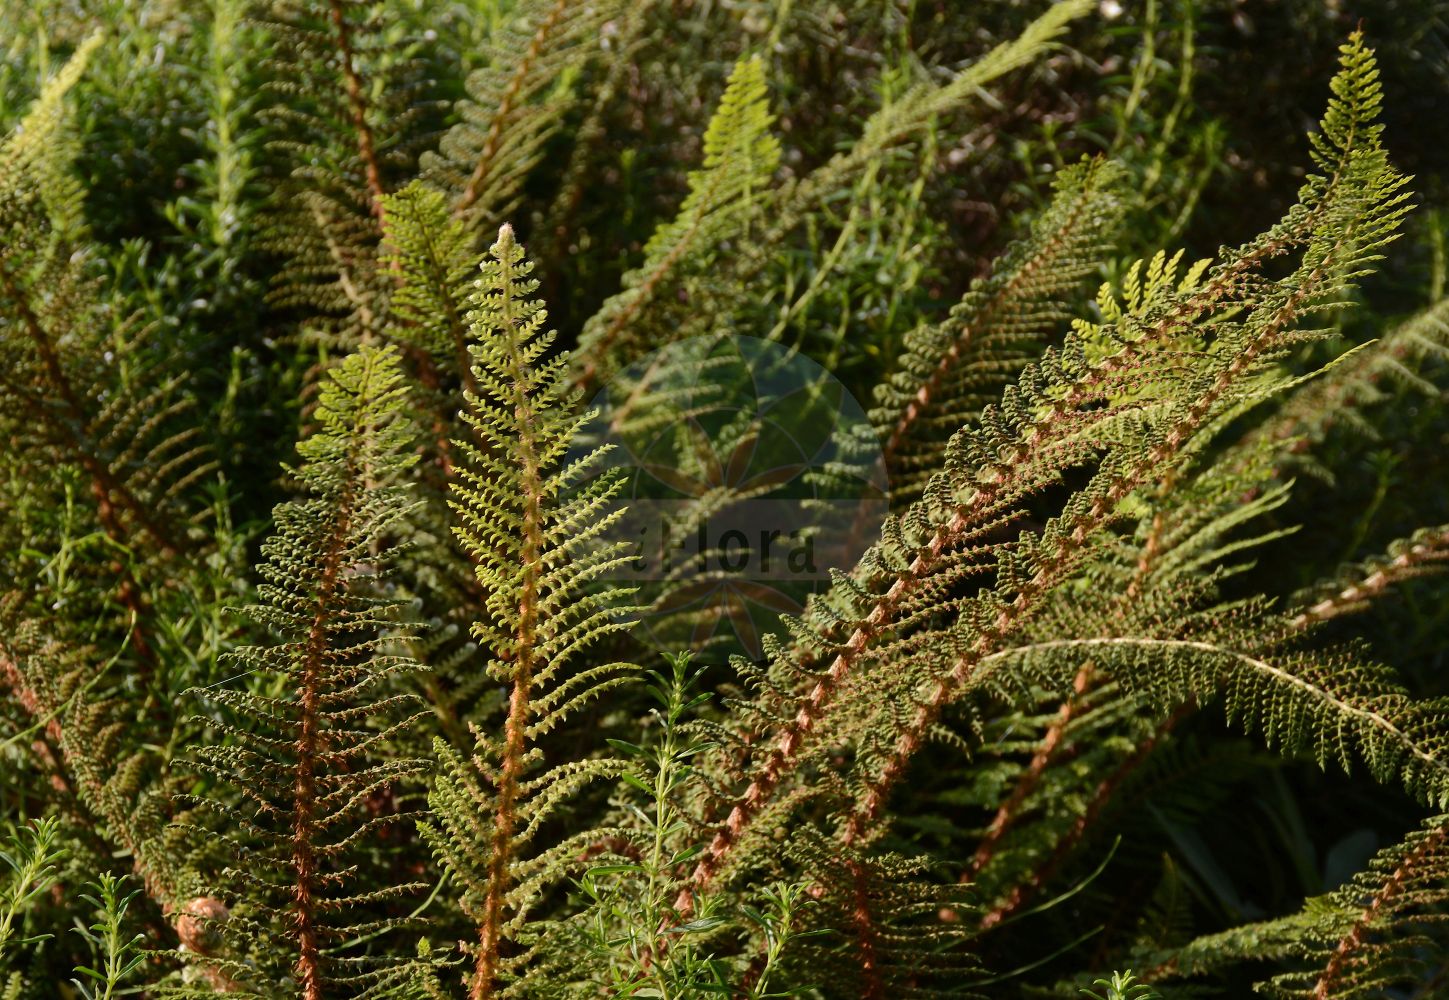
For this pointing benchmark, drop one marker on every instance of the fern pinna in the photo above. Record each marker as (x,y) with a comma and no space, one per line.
(308,733)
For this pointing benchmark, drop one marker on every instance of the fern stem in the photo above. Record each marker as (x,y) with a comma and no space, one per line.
(871,986)
(357,105)
(515,744)
(1429,547)
(473,190)
(1031,778)
(304,819)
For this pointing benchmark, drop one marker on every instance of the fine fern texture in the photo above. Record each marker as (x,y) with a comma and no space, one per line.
(951,502)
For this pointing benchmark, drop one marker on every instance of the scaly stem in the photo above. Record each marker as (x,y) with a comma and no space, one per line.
(309,739)
(357,106)
(1343,954)
(486,980)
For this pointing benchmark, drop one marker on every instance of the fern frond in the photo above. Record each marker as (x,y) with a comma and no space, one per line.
(1382,930)
(740,156)
(348,112)
(1042,427)
(30,168)
(515,103)
(1355,586)
(308,763)
(921,105)
(513,500)
(1347,393)
(951,370)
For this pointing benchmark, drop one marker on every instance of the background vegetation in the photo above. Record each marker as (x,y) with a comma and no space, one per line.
(239,321)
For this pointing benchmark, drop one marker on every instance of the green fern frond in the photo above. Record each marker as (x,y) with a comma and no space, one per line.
(30,168)
(308,765)
(880,927)
(1085,405)
(349,109)
(1382,930)
(515,103)
(1347,394)
(951,370)
(740,157)
(538,543)
(433,256)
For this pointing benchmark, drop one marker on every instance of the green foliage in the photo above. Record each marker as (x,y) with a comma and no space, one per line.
(986,757)
(1122,986)
(31,858)
(307,742)
(122,955)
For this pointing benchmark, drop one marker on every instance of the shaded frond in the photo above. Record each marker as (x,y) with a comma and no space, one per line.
(307,739)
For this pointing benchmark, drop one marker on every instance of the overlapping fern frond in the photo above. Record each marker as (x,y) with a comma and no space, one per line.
(1100,403)
(308,740)
(516,102)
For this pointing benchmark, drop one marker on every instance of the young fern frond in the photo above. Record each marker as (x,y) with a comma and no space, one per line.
(535,529)
(740,157)
(307,765)
(434,258)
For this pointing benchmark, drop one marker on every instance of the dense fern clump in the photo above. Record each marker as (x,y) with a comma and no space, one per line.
(335,565)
